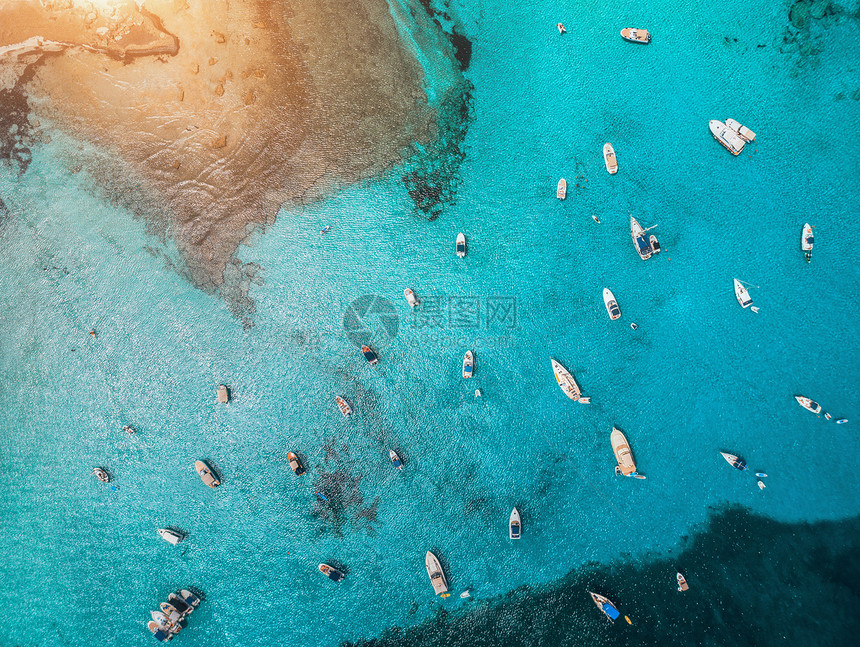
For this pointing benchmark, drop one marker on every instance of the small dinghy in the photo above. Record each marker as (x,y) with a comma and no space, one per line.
(655,244)
(331,572)
(206,474)
(605,605)
(514,524)
(611,304)
(636,35)
(343,405)
(437,576)
(682,582)
(809,405)
(734,461)
(609,159)
(325,229)
(827,416)
(170,536)
(761,485)
(643,247)
(411,299)
(223,394)
(466,594)
(369,355)
(742,295)
(128,429)
(566,382)
(295,463)
(460,247)
(806,241)
(468,364)
(561,30)
(561,189)
(478,394)
(395,459)
(101,475)
(596,219)
(743,132)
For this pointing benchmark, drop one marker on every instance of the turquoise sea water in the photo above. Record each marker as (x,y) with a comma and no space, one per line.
(82,563)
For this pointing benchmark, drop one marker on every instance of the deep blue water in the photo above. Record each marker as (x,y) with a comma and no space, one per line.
(82,563)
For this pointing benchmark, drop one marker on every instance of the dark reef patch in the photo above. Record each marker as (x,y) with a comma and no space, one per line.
(4,213)
(16,132)
(339,498)
(753,582)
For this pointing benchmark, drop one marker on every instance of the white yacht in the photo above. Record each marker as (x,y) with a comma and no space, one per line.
(806,403)
(561,189)
(515,526)
(640,242)
(726,136)
(806,240)
(170,536)
(437,576)
(611,305)
(460,248)
(742,294)
(610,159)
(567,383)
(468,364)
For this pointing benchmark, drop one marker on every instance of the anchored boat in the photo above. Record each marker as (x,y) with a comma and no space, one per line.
(461,245)
(640,242)
(561,189)
(101,475)
(611,304)
(206,474)
(743,132)
(610,159)
(734,461)
(806,240)
(605,605)
(170,536)
(636,35)
(369,355)
(730,140)
(566,382)
(806,403)
(682,582)
(410,297)
(343,405)
(437,576)
(514,524)
(395,459)
(223,394)
(623,455)
(468,364)
(331,572)
(295,463)
(742,294)
(655,245)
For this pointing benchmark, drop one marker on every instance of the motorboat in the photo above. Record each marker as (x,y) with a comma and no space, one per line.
(682,582)
(655,244)
(437,576)
(369,355)
(611,304)
(640,242)
(161,635)
(761,485)
(561,189)
(411,299)
(179,604)
(206,474)
(734,461)
(395,459)
(808,404)
(223,394)
(343,405)
(561,29)
(610,159)
(190,598)
(295,463)
(101,475)
(726,136)
(160,619)
(743,132)
(827,416)
(566,382)
(605,605)
(623,455)
(806,240)
(636,35)
(461,245)
(128,429)
(173,615)
(515,525)
(331,572)
(170,536)
(842,421)
(468,364)
(742,294)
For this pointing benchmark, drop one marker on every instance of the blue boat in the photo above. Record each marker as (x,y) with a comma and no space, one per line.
(605,605)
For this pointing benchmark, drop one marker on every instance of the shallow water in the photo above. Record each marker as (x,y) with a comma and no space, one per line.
(82,563)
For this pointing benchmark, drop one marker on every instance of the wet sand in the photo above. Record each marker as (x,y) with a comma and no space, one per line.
(211,116)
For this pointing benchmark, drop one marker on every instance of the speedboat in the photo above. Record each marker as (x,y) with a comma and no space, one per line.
(610,159)
(369,355)
(682,582)
(806,403)
(734,461)
(561,189)
(331,572)
(295,463)
(160,634)
(742,295)
(410,297)
(102,475)
(173,615)
(743,132)
(437,576)
(806,240)
(170,536)
(128,429)
(605,605)
(179,604)
(223,394)
(611,304)
(515,525)
(190,598)
(761,485)
(468,364)
(206,474)
(643,247)
(726,136)
(623,455)
(461,245)
(655,245)
(159,618)
(395,459)
(636,35)
(842,421)
(561,29)
(566,382)
(343,405)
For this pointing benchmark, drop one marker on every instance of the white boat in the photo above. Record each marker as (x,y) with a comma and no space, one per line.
(611,304)
(655,244)
(610,159)
(206,474)
(410,297)
(343,405)
(331,572)
(623,455)
(173,615)
(605,605)
(636,35)
(468,364)
(223,394)
(640,242)
(101,475)
(566,382)
(806,240)
(561,30)
(561,189)
(726,136)
(742,295)
(190,599)
(743,132)
(395,459)
(162,620)
(682,582)
(160,633)
(734,461)
(806,403)
(515,526)
(437,576)
(295,463)
(170,536)
(461,245)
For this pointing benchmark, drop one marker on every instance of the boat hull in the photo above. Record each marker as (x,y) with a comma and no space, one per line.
(611,304)
(565,381)
(621,449)
(605,605)
(742,131)
(806,238)
(561,189)
(295,464)
(808,404)
(206,474)
(730,140)
(742,295)
(468,364)
(460,247)
(609,159)
(634,35)
(436,574)
(344,407)
(411,299)
(515,525)
(170,536)
(395,459)
(640,242)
